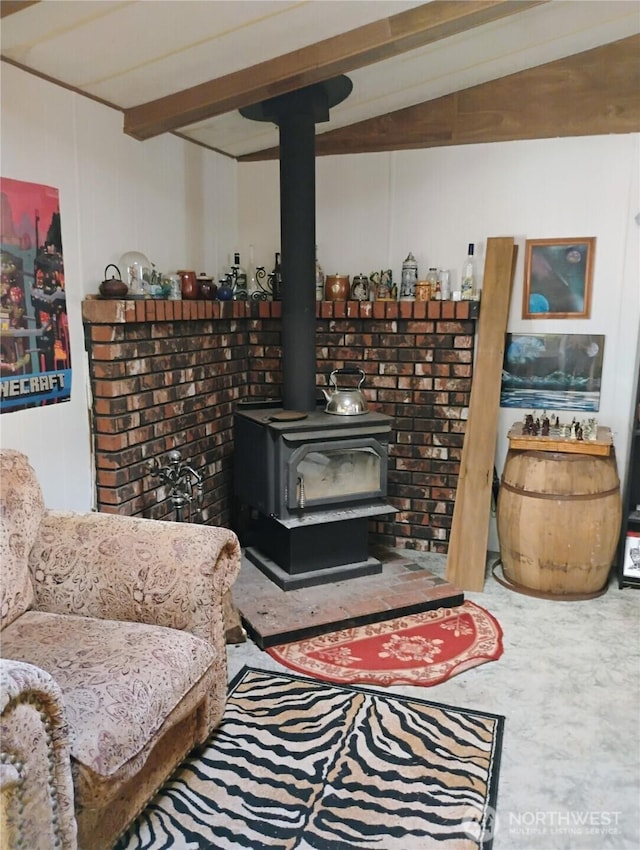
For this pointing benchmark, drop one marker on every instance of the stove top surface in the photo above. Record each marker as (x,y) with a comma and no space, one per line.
(270,413)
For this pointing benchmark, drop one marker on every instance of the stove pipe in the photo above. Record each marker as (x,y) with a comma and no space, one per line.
(296,115)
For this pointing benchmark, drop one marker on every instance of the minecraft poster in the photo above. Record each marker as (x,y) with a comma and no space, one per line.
(35,360)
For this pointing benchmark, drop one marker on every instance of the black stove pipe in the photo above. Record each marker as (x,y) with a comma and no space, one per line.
(298,238)
(296,115)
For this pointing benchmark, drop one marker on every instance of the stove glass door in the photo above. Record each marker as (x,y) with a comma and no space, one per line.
(336,472)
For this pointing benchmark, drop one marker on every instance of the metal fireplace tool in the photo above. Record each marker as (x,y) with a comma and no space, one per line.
(185,485)
(186,488)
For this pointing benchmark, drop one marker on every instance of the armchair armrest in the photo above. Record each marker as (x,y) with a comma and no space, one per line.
(128,568)
(36,786)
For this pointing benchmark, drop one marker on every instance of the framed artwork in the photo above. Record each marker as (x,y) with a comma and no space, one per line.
(558,274)
(552,371)
(631,564)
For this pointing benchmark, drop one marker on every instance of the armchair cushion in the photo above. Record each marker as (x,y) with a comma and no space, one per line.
(128,568)
(21,509)
(119,680)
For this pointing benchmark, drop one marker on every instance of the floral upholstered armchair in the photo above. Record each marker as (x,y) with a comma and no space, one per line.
(113,661)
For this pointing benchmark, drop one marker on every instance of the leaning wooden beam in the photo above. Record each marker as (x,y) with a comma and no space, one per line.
(320,61)
(467,554)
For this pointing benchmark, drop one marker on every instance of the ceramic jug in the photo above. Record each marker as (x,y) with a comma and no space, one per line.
(207,288)
(189,284)
(409,278)
(336,287)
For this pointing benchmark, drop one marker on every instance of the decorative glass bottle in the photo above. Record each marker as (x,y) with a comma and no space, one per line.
(468,276)
(252,282)
(319,279)
(276,279)
(432,277)
(239,279)
(445,284)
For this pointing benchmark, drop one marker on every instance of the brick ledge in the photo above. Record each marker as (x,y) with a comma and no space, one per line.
(99,311)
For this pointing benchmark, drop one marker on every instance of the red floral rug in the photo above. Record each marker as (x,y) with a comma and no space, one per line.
(420,649)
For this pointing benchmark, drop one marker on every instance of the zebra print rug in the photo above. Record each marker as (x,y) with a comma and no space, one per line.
(298,764)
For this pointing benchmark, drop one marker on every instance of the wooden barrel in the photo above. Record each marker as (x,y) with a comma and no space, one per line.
(558,520)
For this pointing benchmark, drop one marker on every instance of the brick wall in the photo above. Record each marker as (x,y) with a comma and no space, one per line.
(167,375)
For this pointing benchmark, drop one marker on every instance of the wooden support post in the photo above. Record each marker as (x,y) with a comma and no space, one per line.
(467,555)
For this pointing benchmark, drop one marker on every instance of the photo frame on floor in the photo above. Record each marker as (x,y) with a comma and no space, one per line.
(558,278)
(631,563)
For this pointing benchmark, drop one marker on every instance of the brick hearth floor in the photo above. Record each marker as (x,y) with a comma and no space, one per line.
(273,616)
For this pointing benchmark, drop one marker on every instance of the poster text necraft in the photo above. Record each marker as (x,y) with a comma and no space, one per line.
(35,358)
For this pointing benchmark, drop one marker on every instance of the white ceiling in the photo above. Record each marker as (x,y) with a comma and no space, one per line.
(132,52)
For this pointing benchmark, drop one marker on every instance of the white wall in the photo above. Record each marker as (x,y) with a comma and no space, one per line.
(372,209)
(184,206)
(172,200)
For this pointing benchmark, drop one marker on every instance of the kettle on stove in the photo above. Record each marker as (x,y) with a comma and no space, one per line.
(345,401)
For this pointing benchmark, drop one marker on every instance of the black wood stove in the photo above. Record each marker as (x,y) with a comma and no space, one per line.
(312,480)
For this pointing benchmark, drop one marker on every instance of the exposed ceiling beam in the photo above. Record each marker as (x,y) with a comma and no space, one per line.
(328,58)
(591,93)
(10,7)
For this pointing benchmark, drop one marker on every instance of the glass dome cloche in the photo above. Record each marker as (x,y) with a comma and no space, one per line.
(135,269)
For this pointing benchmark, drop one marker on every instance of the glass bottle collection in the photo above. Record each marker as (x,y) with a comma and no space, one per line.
(256,284)
(380,286)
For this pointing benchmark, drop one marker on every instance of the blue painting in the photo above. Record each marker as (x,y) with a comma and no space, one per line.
(552,371)
(557,278)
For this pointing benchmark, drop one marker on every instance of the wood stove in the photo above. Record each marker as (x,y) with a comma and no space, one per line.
(312,481)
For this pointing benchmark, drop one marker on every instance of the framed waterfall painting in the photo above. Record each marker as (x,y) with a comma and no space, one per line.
(552,371)
(558,275)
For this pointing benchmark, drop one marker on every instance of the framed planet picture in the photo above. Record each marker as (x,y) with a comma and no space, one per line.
(552,371)
(558,276)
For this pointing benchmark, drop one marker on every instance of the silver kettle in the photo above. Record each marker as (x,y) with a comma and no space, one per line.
(345,401)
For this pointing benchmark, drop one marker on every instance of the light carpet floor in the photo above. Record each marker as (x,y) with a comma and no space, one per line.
(568,684)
